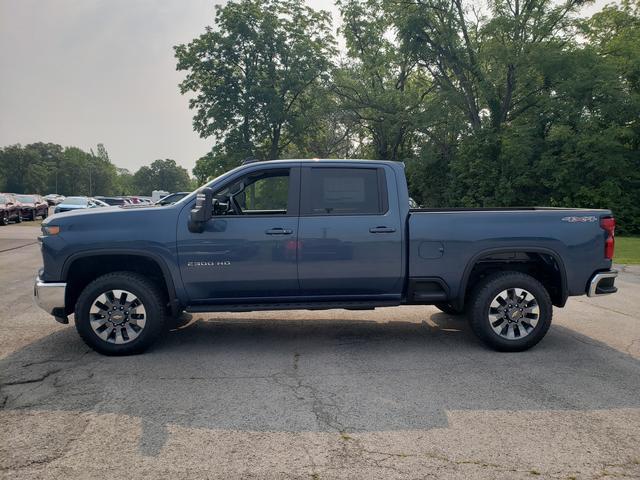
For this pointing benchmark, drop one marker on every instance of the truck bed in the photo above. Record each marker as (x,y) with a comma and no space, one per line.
(443,243)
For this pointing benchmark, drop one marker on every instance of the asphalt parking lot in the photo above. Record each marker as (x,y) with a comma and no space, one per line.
(396,393)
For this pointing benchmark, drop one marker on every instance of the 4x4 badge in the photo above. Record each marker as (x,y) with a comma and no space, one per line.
(580,219)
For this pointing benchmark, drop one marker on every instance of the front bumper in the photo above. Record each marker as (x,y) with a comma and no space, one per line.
(602,283)
(49,296)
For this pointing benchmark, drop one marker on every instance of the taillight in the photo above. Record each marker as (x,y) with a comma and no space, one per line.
(608,224)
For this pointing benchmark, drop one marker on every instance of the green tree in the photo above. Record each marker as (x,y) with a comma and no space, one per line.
(379,84)
(254,74)
(123,184)
(161,175)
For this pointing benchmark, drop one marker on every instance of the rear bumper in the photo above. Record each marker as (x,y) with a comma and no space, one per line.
(50,297)
(602,283)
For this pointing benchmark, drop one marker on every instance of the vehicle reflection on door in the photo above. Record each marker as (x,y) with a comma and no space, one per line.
(235,258)
(324,249)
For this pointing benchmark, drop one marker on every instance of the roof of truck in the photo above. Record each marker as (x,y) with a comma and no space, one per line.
(320,160)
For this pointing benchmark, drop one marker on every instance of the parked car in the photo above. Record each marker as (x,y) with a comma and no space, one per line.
(78,203)
(54,199)
(318,235)
(9,209)
(32,206)
(135,200)
(172,198)
(157,195)
(114,201)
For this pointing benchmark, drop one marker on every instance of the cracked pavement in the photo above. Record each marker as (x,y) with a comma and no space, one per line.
(402,392)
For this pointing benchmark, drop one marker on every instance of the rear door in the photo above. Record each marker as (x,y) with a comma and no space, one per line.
(350,234)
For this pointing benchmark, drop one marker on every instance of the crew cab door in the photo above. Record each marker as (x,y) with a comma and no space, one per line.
(247,251)
(350,237)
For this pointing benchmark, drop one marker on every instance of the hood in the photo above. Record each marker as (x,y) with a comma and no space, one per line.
(115,221)
(79,214)
(28,204)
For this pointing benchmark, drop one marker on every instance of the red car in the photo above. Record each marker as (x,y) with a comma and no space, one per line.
(33,206)
(9,209)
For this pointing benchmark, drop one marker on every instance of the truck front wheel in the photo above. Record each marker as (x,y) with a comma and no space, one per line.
(510,311)
(120,313)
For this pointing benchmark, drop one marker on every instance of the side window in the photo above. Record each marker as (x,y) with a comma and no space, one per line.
(265,192)
(344,191)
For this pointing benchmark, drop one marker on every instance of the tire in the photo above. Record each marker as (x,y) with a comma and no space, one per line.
(448,309)
(45,214)
(19,218)
(141,324)
(4,220)
(510,311)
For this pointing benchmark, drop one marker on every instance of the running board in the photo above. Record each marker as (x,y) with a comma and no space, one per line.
(247,307)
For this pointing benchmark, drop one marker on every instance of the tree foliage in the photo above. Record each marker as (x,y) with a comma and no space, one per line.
(508,103)
(162,175)
(253,77)
(47,167)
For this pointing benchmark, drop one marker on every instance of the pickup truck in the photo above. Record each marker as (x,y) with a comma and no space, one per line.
(317,234)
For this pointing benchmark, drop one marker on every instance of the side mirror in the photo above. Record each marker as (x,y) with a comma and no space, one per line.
(202,212)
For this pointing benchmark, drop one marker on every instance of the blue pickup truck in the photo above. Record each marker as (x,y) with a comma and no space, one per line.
(317,234)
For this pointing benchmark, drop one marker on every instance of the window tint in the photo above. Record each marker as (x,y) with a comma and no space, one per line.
(265,192)
(343,191)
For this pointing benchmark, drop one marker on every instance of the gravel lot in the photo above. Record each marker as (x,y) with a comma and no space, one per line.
(402,392)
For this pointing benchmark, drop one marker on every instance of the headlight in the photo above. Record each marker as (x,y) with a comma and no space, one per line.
(50,229)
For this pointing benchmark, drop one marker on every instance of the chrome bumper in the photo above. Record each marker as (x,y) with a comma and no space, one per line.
(50,297)
(602,284)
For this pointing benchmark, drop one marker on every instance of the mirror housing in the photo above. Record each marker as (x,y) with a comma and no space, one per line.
(203,210)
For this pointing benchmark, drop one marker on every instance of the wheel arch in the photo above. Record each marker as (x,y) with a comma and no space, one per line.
(559,298)
(83,267)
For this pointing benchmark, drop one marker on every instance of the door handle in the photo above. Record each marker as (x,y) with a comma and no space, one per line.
(278,231)
(382,230)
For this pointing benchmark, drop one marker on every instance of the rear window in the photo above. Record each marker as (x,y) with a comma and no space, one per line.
(344,191)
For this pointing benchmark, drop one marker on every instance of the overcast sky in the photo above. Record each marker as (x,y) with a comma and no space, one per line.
(82,72)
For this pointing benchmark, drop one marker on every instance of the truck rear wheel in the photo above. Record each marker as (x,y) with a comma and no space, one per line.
(510,311)
(120,313)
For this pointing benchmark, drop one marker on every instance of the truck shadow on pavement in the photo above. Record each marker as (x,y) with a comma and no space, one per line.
(345,375)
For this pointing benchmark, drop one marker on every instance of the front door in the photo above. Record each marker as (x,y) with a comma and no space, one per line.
(247,251)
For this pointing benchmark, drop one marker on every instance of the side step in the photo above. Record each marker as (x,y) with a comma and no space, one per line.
(248,307)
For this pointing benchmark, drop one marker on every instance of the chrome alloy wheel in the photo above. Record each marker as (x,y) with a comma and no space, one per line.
(117,316)
(514,313)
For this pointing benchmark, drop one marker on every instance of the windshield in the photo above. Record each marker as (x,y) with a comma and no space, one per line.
(76,201)
(3,199)
(172,198)
(26,198)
